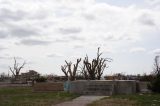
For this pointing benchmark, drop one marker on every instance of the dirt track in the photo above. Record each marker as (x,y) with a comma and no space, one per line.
(81,101)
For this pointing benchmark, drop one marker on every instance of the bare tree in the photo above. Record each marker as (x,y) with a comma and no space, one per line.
(84,72)
(70,72)
(90,68)
(16,68)
(94,69)
(157,65)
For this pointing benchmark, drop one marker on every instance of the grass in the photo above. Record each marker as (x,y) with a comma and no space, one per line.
(129,100)
(23,96)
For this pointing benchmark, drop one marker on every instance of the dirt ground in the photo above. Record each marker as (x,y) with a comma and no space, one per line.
(81,101)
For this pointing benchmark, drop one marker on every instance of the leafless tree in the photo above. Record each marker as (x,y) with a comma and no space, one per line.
(69,71)
(94,69)
(157,65)
(84,72)
(16,68)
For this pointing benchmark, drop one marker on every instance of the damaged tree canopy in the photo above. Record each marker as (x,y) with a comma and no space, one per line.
(91,70)
(16,68)
(94,69)
(69,70)
(157,66)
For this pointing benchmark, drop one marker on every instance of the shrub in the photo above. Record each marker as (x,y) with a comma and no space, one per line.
(155,84)
(41,79)
(147,78)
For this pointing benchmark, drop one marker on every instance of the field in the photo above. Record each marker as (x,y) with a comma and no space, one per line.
(129,100)
(24,96)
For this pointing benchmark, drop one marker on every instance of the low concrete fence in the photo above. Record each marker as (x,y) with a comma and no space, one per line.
(94,87)
(143,87)
(56,86)
(106,87)
(13,85)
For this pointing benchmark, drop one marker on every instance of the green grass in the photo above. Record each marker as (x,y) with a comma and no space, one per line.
(24,96)
(129,100)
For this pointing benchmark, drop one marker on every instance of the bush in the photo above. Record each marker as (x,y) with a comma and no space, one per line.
(155,84)
(147,78)
(41,79)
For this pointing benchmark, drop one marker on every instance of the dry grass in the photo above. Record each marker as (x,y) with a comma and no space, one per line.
(23,96)
(113,102)
(129,100)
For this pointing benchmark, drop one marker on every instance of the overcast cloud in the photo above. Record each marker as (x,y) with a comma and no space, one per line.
(36,30)
(32,42)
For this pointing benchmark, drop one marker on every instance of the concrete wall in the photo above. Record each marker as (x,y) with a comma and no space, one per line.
(143,87)
(125,87)
(95,87)
(57,86)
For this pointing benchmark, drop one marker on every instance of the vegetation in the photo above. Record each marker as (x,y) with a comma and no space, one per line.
(41,79)
(3,76)
(155,83)
(90,69)
(93,70)
(16,68)
(146,77)
(129,100)
(70,72)
(23,96)
(156,70)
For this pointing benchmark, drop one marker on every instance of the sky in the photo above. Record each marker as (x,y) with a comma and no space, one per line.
(45,33)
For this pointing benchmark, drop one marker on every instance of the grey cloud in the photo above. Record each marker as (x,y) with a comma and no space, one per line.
(12,29)
(54,55)
(17,15)
(2,48)
(3,34)
(30,62)
(89,16)
(23,32)
(78,46)
(153,2)
(2,57)
(71,30)
(5,58)
(34,42)
(63,12)
(110,37)
(12,57)
(39,15)
(156,51)
(3,66)
(137,50)
(69,39)
(17,57)
(6,14)
(61,40)
(146,19)
(74,37)
(18,31)
(8,57)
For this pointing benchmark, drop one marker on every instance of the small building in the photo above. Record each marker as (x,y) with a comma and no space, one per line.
(29,76)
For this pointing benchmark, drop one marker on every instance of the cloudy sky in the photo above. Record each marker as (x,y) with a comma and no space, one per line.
(44,33)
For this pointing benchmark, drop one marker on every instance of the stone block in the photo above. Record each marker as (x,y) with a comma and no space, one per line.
(57,86)
(143,87)
(102,87)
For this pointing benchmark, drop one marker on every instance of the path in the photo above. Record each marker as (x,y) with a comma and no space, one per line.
(81,101)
